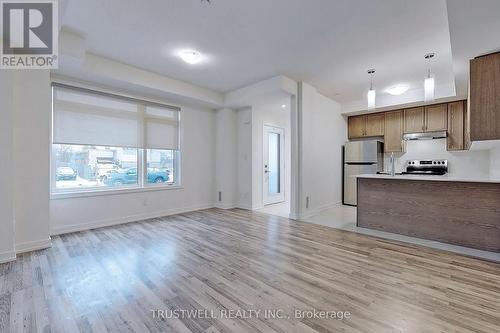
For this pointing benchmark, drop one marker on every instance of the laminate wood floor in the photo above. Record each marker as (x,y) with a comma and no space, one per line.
(111,280)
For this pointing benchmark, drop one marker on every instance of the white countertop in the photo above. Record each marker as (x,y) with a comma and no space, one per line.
(444,178)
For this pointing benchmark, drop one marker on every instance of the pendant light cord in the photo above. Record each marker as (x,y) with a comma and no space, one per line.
(429,69)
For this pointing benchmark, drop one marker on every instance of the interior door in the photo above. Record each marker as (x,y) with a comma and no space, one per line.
(274,165)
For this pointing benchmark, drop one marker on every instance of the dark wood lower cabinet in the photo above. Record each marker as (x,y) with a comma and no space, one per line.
(460,213)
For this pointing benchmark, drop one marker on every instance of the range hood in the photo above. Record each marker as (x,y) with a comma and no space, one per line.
(425,136)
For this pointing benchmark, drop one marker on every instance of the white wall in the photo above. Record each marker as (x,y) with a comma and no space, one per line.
(198,162)
(276,116)
(495,163)
(322,134)
(226,159)
(462,163)
(32,114)
(244,163)
(7,250)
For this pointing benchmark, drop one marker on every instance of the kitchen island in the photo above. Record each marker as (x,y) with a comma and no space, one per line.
(455,210)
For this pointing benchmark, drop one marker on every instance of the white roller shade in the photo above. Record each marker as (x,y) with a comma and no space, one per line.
(87,118)
(162,128)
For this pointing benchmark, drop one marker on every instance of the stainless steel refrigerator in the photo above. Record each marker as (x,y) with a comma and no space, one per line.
(360,157)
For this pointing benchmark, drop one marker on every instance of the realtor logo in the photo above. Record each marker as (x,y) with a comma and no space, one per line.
(29,34)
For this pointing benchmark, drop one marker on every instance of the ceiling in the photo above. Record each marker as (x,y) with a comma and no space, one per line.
(330,44)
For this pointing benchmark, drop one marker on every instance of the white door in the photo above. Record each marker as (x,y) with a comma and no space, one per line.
(274,165)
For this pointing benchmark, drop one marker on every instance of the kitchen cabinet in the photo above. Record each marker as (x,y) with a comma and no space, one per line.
(375,124)
(485,97)
(456,122)
(467,140)
(366,126)
(426,119)
(414,120)
(393,137)
(436,118)
(452,117)
(356,126)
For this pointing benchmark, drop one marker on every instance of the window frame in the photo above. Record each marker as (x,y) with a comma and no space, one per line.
(142,183)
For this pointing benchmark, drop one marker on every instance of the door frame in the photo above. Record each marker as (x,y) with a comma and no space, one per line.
(266,199)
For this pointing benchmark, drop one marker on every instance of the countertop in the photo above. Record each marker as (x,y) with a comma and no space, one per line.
(444,178)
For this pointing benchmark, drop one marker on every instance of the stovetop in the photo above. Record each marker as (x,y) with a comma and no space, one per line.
(426,167)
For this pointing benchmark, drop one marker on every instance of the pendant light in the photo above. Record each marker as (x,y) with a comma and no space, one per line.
(429,81)
(371,93)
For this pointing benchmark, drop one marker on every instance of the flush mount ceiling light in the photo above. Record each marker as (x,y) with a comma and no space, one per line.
(429,81)
(397,89)
(371,93)
(283,106)
(192,57)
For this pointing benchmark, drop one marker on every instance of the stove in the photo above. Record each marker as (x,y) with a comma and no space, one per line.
(426,167)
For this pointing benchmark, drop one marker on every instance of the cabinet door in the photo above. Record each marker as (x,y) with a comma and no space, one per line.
(356,126)
(436,117)
(375,124)
(455,139)
(467,140)
(393,138)
(485,97)
(414,120)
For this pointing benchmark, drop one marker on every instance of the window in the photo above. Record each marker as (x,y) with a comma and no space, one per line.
(103,141)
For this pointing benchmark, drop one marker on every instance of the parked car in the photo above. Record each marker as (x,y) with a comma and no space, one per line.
(129,176)
(65,173)
(104,169)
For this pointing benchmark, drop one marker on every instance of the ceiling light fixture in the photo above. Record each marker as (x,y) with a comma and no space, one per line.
(371,93)
(283,106)
(429,81)
(398,89)
(192,57)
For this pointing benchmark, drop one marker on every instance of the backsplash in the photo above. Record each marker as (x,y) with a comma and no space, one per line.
(461,164)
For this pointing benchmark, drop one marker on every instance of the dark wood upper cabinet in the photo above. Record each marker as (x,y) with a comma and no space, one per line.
(393,138)
(356,126)
(436,117)
(456,122)
(485,97)
(375,124)
(414,120)
(452,117)
(366,125)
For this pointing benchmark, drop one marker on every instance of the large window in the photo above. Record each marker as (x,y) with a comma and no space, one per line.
(103,141)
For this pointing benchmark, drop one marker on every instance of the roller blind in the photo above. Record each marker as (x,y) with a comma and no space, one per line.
(84,117)
(162,128)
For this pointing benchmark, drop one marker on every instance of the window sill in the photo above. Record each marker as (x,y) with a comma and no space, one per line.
(96,193)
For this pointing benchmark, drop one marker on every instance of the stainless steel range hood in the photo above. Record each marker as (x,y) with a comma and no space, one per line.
(425,136)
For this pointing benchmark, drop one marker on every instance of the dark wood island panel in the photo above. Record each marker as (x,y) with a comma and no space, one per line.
(460,213)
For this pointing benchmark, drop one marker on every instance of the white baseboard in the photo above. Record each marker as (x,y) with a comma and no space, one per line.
(33,245)
(316,211)
(7,256)
(122,220)
(225,205)
(243,206)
